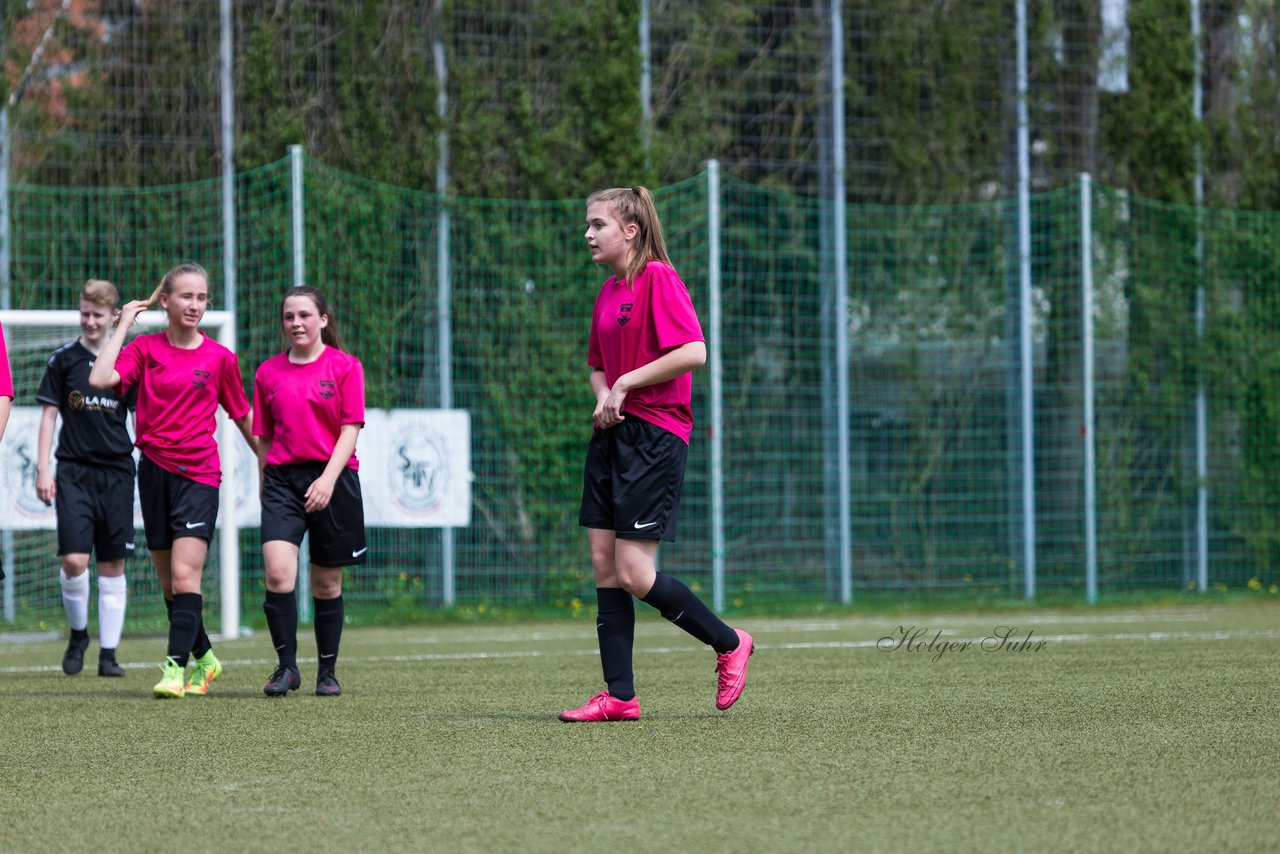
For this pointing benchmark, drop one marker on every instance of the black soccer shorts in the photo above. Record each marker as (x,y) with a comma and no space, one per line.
(337,531)
(94,507)
(633,481)
(174,506)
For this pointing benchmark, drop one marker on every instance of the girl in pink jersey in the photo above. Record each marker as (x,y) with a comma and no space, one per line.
(6,396)
(310,405)
(6,387)
(645,341)
(182,377)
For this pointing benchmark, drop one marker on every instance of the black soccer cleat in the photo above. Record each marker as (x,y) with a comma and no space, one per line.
(282,681)
(107,665)
(73,658)
(327,685)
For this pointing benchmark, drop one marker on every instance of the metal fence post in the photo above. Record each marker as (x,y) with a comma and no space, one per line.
(444,320)
(228,158)
(1026,350)
(717,396)
(840,248)
(1201,404)
(297,221)
(1087,346)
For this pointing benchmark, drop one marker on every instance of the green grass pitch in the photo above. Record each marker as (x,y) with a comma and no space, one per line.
(1116,728)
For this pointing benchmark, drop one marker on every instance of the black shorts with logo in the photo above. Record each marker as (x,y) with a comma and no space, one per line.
(337,531)
(95,510)
(633,480)
(174,506)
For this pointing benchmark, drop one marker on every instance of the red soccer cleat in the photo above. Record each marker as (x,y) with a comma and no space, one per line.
(602,707)
(732,670)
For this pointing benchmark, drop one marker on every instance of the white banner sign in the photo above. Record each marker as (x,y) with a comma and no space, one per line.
(415,468)
(415,471)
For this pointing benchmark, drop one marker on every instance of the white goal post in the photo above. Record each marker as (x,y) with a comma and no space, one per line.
(219,325)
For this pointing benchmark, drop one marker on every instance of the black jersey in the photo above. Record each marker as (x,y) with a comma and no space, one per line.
(93,419)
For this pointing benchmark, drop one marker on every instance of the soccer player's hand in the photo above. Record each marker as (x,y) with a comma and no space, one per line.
(130,312)
(609,407)
(46,489)
(318,494)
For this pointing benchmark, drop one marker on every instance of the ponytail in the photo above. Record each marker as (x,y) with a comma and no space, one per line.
(635,205)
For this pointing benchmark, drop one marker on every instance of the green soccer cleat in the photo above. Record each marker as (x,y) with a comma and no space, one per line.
(170,684)
(206,669)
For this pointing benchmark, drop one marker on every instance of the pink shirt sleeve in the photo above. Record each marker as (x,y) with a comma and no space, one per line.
(230,390)
(129,364)
(351,390)
(674,320)
(6,377)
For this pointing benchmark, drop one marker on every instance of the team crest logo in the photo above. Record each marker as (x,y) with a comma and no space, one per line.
(200,378)
(419,474)
(624,313)
(327,388)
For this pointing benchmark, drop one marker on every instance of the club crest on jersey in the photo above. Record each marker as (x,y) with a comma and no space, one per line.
(327,388)
(624,313)
(200,378)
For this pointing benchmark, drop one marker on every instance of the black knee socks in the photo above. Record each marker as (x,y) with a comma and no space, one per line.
(681,606)
(184,622)
(329,615)
(282,621)
(201,644)
(616,629)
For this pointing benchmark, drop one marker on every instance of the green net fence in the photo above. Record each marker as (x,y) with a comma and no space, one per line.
(936,474)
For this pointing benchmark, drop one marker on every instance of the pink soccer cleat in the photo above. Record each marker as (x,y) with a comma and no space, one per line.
(732,670)
(602,707)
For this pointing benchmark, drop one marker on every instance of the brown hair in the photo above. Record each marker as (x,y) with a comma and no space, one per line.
(166,284)
(101,293)
(329,334)
(635,205)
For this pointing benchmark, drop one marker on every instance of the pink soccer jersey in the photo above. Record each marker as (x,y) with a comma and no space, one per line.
(301,408)
(6,378)
(632,326)
(179,392)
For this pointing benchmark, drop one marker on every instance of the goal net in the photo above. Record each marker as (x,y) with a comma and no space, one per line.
(31,592)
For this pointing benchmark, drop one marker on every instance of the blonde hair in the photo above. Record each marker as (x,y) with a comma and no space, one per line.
(101,293)
(635,205)
(166,284)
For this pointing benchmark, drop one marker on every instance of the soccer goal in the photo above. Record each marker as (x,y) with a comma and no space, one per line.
(27,525)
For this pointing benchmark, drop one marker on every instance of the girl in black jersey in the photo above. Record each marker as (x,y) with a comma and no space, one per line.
(93,486)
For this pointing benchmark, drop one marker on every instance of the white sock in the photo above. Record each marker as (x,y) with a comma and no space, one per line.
(113,593)
(75,599)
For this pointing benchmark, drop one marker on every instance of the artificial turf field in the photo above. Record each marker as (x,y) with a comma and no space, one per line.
(1130,729)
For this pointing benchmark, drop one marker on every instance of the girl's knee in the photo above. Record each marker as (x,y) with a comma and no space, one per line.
(281,580)
(326,582)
